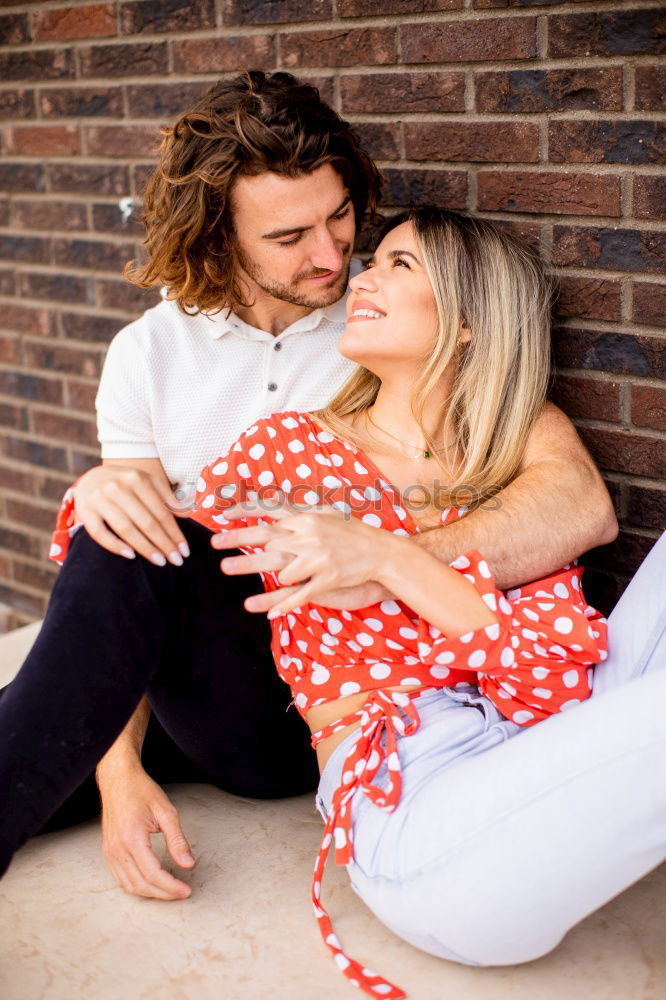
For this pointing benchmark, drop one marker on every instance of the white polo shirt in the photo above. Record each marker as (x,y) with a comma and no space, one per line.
(182,388)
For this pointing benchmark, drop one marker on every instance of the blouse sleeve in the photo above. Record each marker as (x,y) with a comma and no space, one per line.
(534,661)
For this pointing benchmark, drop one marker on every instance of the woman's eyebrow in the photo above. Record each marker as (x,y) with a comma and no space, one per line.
(277,233)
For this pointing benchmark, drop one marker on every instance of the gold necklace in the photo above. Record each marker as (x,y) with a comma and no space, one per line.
(405,444)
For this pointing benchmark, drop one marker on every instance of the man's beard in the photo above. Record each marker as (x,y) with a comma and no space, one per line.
(289,292)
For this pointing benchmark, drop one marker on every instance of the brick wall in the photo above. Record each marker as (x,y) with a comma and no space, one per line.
(542,114)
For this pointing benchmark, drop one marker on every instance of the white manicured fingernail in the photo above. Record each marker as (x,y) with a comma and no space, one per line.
(176,558)
(185,549)
(128,553)
(158,559)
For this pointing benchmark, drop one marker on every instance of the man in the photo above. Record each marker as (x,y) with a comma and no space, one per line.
(251,219)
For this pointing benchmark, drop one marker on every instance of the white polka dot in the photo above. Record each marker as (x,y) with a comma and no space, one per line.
(508,688)
(279,457)
(563,625)
(322,460)
(311,498)
(390,608)
(361,469)
(393,761)
(349,687)
(337,460)
(343,507)
(286,485)
(490,601)
(561,590)
(575,583)
(477,658)
(373,760)
(462,562)
(243,470)
(55,550)
(265,477)
(522,716)
(570,678)
(542,693)
(557,650)
(325,437)
(467,637)
(532,615)
(330,640)
(208,501)
(220,468)
(445,657)
(319,675)
(301,700)
(492,631)
(569,704)
(372,520)
(392,644)
(529,634)
(410,680)
(514,593)
(256,451)
(304,471)
(400,511)
(504,605)
(507,657)
(201,485)
(296,446)
(380,671)
(370,493)
(365,639)
(332,482)
(354,646)
(440,672)
(408,633)
(484,569)
(374,624)
(290,423)
(334,626)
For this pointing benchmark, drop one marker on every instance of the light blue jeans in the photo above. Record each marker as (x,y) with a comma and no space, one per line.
(505,838)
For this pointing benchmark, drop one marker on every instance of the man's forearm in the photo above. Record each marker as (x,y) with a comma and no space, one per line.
(126,751)
(549,515)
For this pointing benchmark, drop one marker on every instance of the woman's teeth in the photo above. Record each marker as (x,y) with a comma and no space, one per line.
(370,313)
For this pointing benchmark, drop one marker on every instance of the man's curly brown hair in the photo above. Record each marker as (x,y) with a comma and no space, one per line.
(241,127)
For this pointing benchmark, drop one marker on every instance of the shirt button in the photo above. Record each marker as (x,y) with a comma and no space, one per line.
(272,386)
(278,346)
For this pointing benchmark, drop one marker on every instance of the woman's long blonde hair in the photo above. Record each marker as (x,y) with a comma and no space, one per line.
(485,279)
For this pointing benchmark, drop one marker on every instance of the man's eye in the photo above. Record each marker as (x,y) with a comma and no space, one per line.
(290,243)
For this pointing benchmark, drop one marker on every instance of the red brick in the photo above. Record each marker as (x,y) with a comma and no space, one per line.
(557,193)
(84,178)
(276,11)
(81,102)
(370,8)
(650,305)
(381,140)
(447,188)
(72,430)
(650,196)
(619,33)
(616,249)
(123,295)
(37,64)
(15,104)
(14,29)
(23,319)
(44,140)
(589,298)
(585,397)
(122,140)
(534,90)
(162,100)
(7,281)
(469,41)
(34,453)
(43,214)
(646,507)
(41,518)
(141,59)
(31,387)
(65,360)
(74,22)
(648,406)
(622,353)
(80,395)
(626,451)
(631,142)
(10,349)
(499,142)
(341,47)
(166,15)
(218,55)
(650,88)
(403,92)
(93,255)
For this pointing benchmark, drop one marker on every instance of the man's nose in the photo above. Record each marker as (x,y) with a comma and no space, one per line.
(326,253)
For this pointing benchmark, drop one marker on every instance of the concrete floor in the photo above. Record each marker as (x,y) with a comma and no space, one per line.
(247,933)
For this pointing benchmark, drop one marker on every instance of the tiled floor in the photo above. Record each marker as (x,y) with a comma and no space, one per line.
(247,932)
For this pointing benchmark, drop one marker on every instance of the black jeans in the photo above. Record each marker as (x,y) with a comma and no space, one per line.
(116,629)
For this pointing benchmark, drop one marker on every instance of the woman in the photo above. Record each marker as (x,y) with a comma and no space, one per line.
(449,324)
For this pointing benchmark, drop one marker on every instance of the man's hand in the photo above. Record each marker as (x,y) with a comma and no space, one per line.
(133,501)
(134,807)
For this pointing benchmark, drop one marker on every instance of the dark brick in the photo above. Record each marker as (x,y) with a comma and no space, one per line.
(40,577)
(123,295)
(485,4)
(166,15)
(98,179)
(109,218)
(650,305)
(619,33)
(626,451)
(646,507)
(55,287)
(589,298)
(526,232)
(648,406)
(650,196)
(72,430)
(17,541)
(586,397)
(447,188)
(606,142)
(16,177)
(369,8)
(534,90)
(37,64)
(380,140)
(34,453)
(218,55)
(82,461)
(96,21)
(122,140)
(15,479)
(499,142)
(624,555)
(324,84)
(44,140)
(469,41)
(276,11)
(153,100)
(16,104)
(81,102)
(92,254)
(13,416)
(32,387)
(403,92)
(24,319)
(557,193)
(650,88)
(24,607)
(43,214)
(141,174)
(50,487)
(614,249)
(65,360)
(7,283)
(621,353)
(124,60)
(14,29)
(340,47)
(41,518)
(97,329)
(80,395)
(4,212)
(25,249)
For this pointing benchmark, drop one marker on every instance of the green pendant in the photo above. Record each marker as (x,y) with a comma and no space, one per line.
(426,454)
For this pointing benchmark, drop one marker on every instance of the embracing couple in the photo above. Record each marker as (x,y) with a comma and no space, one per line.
(489,751)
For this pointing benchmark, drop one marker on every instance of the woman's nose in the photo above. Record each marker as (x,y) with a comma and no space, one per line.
(364,280)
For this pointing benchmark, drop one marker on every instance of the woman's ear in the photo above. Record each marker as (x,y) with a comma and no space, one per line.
(464,334)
